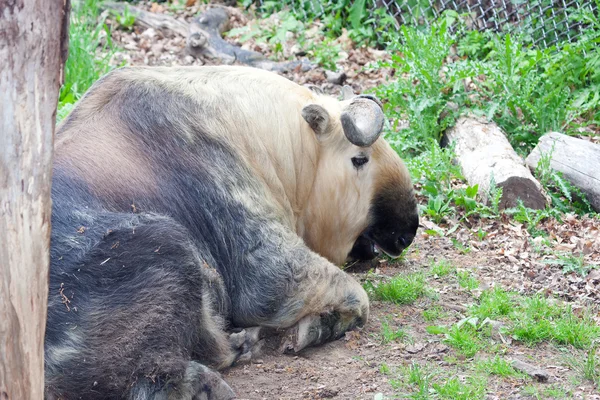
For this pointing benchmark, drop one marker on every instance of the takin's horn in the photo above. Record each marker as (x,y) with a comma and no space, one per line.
(347,93)
(362,120)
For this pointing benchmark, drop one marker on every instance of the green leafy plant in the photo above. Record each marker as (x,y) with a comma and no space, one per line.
(388,334)
(572,263)
(90,50)
(125,19)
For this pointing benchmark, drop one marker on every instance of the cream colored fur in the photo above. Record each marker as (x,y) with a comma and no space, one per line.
(312,182)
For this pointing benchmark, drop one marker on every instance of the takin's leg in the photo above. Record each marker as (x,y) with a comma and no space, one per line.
(287,285)
(332,303)
(131,304)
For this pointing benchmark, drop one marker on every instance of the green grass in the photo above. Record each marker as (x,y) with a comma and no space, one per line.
(442,268)
(538,319)
(434,313)
(466,280)
(492,304)
(89,53)
(389,334)
(465,339)
(473,388)
(497,366)
(403,289)
(528,319)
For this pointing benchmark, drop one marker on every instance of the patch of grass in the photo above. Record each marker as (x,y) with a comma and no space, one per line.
(442,268)
(464,336)
(434,313)
(538,319)
(400,290)
(388,334)
(420,380)
(492,304)
(384,369)
(453,388)
(572,263)
(497,366)
(464,339)
(466,280)
(591,366)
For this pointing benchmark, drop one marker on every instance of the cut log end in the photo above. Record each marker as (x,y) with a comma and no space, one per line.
(517,188)
(484,153)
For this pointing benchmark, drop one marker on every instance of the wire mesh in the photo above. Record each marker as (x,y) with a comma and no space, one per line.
(547,22)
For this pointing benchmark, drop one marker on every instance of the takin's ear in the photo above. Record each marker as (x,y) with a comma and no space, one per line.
(317,117)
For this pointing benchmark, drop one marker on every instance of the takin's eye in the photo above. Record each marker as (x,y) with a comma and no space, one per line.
(359,161)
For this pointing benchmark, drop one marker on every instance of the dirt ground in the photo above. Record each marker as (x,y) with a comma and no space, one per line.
(351,368)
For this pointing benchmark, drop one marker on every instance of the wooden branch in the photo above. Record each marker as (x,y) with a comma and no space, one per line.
(537,373)
(33,48)
(577,159)
(205,39)
(169,26)
(483,152)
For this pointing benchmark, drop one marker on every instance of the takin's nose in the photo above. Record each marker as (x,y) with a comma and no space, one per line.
(405,239)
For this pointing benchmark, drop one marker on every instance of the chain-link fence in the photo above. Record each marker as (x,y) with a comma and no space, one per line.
(547,22)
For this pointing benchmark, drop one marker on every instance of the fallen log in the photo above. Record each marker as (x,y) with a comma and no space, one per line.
(205,38)
(484,154)
(166,24)
(577,159)
(541,375)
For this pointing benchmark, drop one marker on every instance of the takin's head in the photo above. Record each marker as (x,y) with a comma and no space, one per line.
(362,197)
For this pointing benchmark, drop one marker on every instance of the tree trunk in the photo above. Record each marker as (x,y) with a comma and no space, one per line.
(577,159)
(483,153)
(33,47)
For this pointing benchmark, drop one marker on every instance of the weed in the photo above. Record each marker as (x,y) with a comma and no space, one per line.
(537,320)
(463,336)
(464,339)
(442,268)
(420,379)
(434,313)
(493,303)
(591,366)
(400,290)
(388,334)
(497,366)
(572,263)
(462,249)
(325,53)
(466,280)
(125,19)
(453,388)
(481,234)
(384,369)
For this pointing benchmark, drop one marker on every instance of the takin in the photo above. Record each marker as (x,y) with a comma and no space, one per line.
(195,206)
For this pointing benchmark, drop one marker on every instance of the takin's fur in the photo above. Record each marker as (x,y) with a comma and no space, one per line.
(188,202)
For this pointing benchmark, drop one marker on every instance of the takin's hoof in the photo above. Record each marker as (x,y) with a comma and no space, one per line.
(312,330)
(202,383)
(247,344)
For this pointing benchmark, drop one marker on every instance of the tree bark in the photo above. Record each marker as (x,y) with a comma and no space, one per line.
(483,152)
(33,48)
(577,159)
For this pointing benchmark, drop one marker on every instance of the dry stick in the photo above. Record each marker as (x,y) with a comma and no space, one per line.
(540,374)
